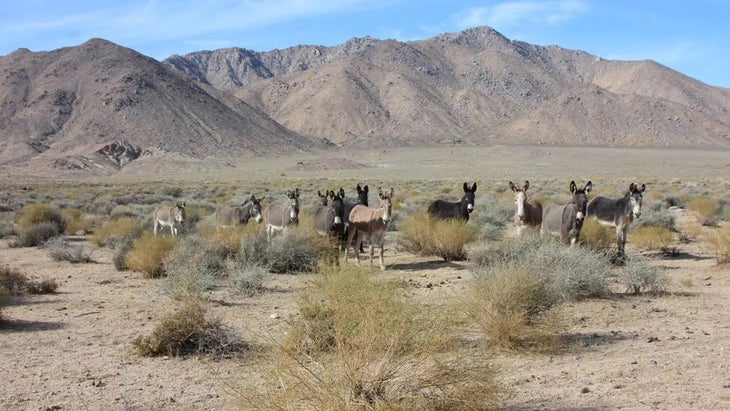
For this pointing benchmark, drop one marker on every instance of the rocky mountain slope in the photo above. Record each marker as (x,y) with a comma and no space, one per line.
(475,86)
(102,106)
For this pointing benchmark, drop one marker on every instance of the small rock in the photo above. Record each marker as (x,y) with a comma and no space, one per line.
(274,316)
(585,390)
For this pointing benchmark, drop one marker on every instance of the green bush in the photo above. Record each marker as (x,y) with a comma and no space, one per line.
(192,267)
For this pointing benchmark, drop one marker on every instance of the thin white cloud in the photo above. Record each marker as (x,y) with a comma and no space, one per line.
(518,13)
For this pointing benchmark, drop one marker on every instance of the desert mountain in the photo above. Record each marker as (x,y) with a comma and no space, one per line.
(102,106)
(102,102)
(473,86)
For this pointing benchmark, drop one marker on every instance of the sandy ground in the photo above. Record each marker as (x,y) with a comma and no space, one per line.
(70,350)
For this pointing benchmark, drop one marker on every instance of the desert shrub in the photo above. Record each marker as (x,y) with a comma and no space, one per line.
(447,239)
(187,331)
(46,286)
(253,250)
(36,235)
(148,254)
(719,242)
(639,277)
(573,272)
(7,228)
(293,251)
(34,214)
(704,207)
(358,344)
(123,211)
(14,281)
(596,236)
(648,238)
(192,267)
(246,279)
(60,250)
(491,217)
(650,217)
(227,237)
(76,221)
(515,307)
(114,231)
(172,191)
(121,250)
(672,201)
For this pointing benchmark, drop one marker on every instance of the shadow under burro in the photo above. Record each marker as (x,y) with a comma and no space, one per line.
(426,265)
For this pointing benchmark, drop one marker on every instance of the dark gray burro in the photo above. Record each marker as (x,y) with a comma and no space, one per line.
(444,210)
(329,214)
(566,221)
(618,212)
(362,199)
(226,216)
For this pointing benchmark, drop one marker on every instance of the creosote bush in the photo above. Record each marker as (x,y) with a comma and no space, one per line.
(596,236)
(187,331)
(420,234)
(148,254)
(357,344)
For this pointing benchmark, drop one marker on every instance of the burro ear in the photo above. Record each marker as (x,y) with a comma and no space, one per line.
(588,187)
(392,192)
(526,185)
(512,187)
(380,192)
(573,187)
(296,192)
(474,186)
(643,187)
(342,192)
(632,188)
(466,187)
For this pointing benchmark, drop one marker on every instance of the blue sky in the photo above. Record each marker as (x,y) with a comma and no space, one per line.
(690,36)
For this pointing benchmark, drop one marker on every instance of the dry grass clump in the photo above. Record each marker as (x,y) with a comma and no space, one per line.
(228,237)
(187,331)
(77,221)
(60,250)
(516,309)
(113,232)
(648,238)
(704,207)
(641,277)
(46,286)
(148,254)
(358,344)
(33,214)
(596,236)
(719,242)
(420,234)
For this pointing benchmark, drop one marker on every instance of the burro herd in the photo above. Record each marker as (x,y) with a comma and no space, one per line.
(352,222)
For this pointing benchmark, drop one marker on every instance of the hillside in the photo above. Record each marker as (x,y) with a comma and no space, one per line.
(475,86)
(66,105)
(99,107)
